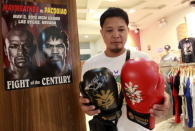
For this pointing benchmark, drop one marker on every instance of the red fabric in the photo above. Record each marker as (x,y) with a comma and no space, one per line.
(176,102)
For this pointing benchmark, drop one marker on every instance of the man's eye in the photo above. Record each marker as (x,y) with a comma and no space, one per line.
(121,30)
(13,46)
(27,46)
(60,45)
(108,30)
(48,46)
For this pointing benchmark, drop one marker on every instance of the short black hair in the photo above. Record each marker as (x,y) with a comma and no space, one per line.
(52,32)
(21,31)
(114,12)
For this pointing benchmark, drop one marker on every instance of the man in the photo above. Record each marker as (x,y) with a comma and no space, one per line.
(114,30)
(19,49)
(53,44)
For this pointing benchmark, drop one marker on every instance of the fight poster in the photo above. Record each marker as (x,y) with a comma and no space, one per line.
(36,45)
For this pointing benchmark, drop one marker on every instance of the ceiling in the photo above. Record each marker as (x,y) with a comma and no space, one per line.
(142,13)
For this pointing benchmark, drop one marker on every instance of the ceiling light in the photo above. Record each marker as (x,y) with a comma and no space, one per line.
(112,0)
(91,10)
(162,22)
(132,11)
(86,36)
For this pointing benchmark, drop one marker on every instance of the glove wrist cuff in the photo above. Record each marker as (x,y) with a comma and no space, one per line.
(110,115)
(143,119)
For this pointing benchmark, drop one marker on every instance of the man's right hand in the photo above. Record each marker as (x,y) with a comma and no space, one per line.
(89,110)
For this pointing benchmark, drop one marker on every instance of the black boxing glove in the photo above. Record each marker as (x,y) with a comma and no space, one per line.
(100,87)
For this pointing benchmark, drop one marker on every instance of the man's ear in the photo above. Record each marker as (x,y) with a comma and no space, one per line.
(5,50)
(4,47)
(101,31)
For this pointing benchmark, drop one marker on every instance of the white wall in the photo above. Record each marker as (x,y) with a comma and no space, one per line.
(95,47)
(85,51)
(157,36)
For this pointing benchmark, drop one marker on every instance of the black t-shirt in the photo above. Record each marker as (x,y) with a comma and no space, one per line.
(187,46)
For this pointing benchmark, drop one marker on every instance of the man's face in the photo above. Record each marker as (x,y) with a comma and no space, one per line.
(55,51)
(19,51)
(114,33)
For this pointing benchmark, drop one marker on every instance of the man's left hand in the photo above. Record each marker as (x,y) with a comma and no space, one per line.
(161,109)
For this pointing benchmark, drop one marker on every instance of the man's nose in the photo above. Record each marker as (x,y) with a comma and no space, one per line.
(115,34)
(20,50)
(54,49)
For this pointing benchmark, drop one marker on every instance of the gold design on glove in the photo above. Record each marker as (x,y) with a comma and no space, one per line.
(105,99)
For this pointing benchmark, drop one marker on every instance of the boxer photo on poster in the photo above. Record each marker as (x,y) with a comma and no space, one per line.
(19,50)
(36,45)
(53,44)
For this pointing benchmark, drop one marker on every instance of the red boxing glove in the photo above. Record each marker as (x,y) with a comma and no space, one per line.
(143,87)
